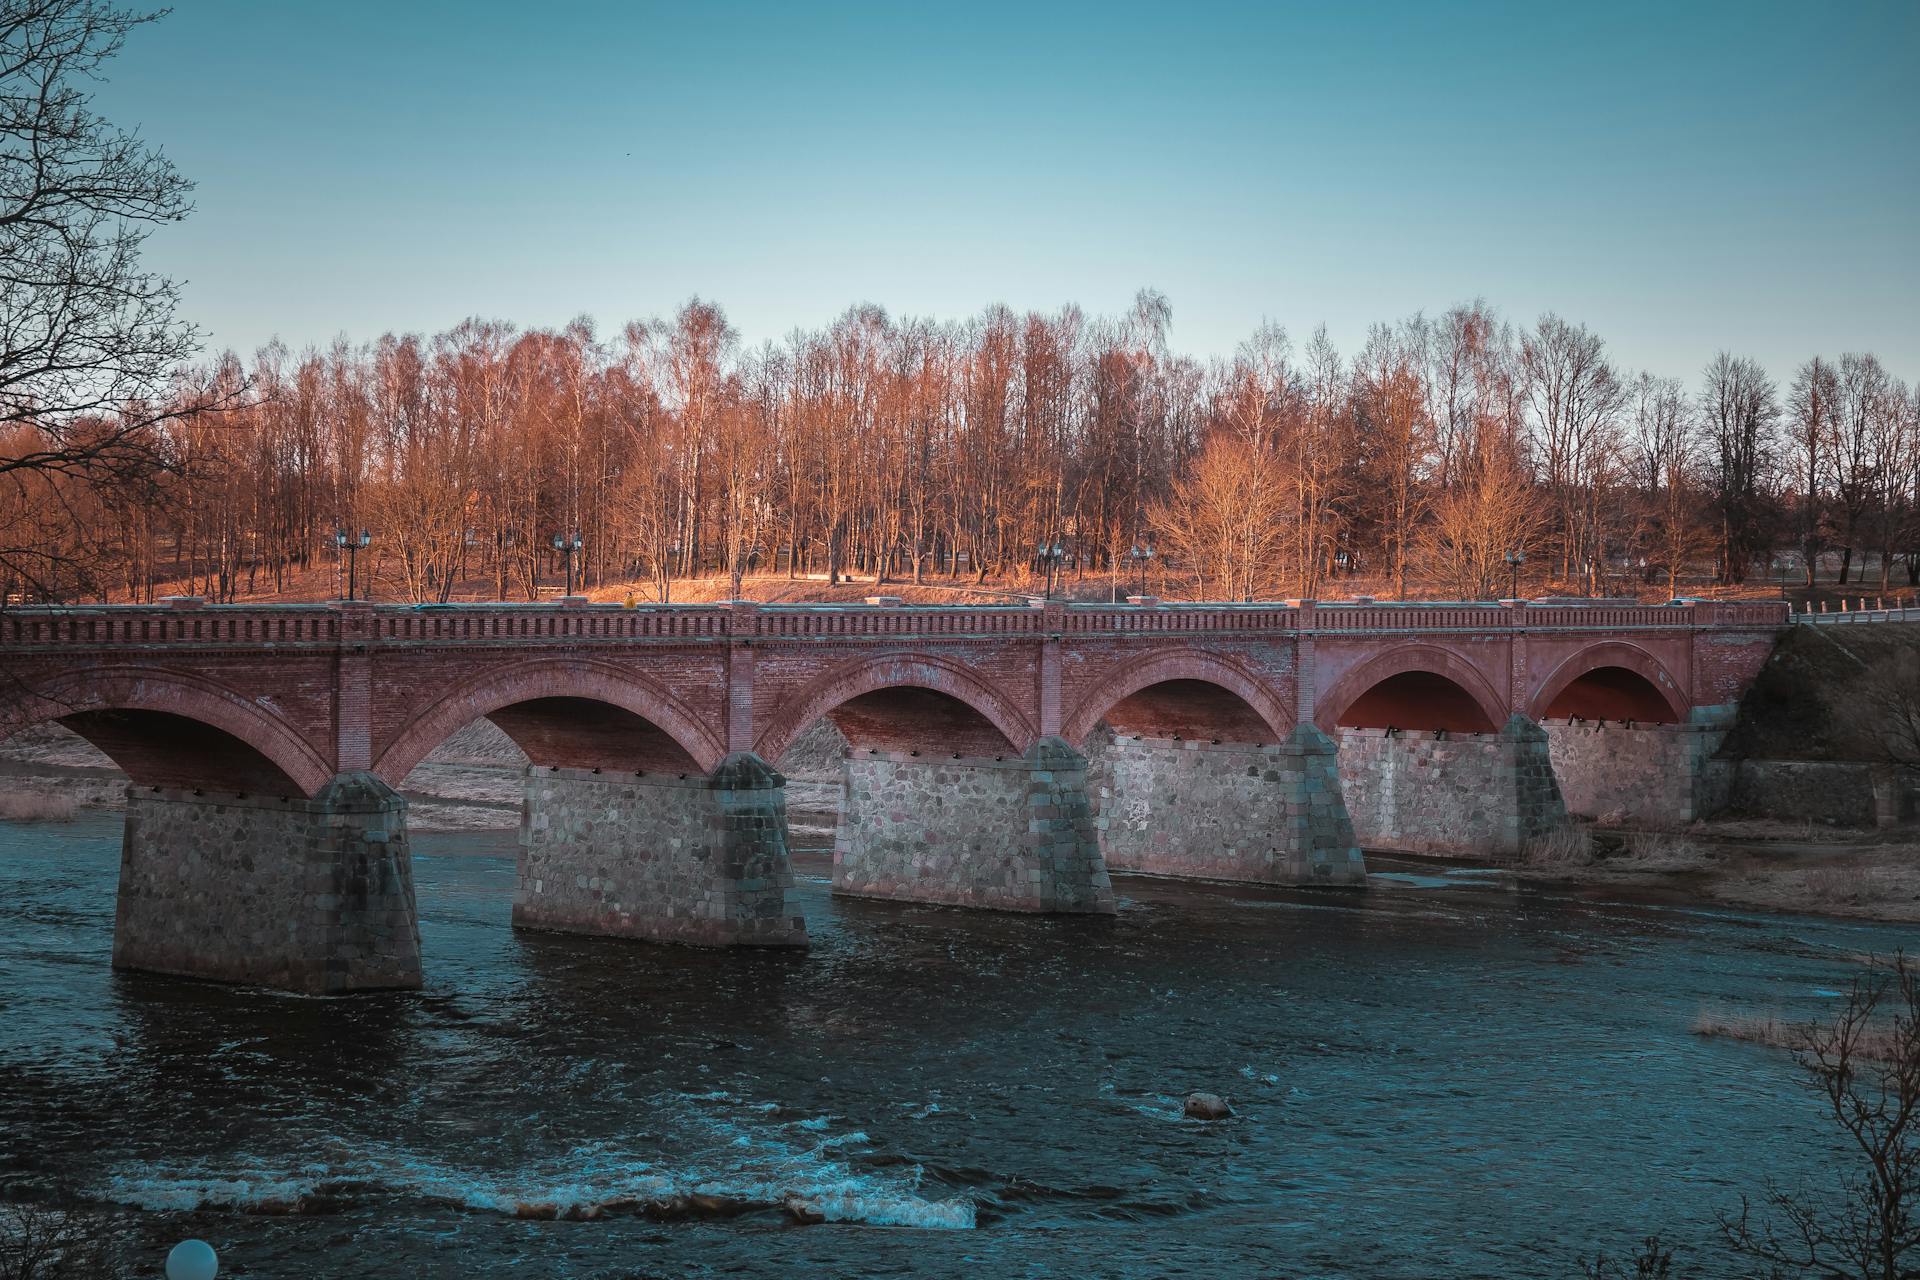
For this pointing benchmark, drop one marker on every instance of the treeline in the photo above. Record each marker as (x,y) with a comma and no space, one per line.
(912,450)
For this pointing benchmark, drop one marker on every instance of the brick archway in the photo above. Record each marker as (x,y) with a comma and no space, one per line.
(284,757)
(893,671)
(552,678)
(1410,659)
(1613,653)
(1168,665)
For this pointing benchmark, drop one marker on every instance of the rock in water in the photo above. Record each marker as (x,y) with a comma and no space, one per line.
(803,1211)
(1207,1106)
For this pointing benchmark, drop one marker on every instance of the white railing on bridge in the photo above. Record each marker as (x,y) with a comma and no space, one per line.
(1863,609)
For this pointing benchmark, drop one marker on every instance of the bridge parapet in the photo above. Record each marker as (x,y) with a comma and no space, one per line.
(48,626)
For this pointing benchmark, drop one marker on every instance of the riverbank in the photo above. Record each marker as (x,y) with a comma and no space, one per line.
(1767,866)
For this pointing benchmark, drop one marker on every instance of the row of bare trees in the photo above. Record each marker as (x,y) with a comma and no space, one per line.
(909,450)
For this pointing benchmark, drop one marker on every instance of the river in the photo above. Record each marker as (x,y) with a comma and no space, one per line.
(1442,1076)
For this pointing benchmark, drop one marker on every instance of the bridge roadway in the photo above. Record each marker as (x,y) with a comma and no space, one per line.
(1000,756)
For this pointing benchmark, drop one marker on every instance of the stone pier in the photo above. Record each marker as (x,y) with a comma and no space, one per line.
(1014,834)
(1642,773)
(661,857)
(1439,792)
(1270,814)
(314,896)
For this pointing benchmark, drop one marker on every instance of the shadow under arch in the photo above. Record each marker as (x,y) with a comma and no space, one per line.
(169,728)
(924,695)
(1427,686)
(1250,712)
(576,712)
(1612,680)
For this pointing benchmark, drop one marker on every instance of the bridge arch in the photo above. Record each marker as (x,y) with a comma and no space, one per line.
(1613,680)
(169,728)
(1184,692)
(879,698)
(577,712)
(1413,686)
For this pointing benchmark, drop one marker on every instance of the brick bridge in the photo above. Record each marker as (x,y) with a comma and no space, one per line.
(997,756)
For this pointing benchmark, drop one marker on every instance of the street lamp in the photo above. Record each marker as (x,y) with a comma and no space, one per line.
(566,545)
(1140,555)
(1514,560)
(1051,554)
(351,545)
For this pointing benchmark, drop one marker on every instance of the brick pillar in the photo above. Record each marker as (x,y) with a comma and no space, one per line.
(1053,623)
(1517,657)
(1306,671)
(1014,834)
(353,689)
(314,896)
(699,860)
(1263,814)
(743,625)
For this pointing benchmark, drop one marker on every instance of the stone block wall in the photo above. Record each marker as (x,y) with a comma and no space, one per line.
(1486,794)
(1835,792)
(699,860)
(1655,774)
(1233,811)
(314,896)
(1017,834)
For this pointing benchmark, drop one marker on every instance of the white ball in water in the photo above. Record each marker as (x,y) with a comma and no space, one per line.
(192,1260)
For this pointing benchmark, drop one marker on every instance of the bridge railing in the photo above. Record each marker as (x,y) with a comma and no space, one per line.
(190,622)
(1877,612)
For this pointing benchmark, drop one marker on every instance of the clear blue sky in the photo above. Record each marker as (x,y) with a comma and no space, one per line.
(1681,177)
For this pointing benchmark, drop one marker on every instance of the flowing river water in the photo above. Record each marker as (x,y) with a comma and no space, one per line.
(1441,1076)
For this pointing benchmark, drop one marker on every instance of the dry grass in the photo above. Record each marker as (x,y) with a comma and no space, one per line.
(37,806)
(1877,1042)
(1561,847)
(1848,883)
(1753,1028)
(1804,830)
(1655,851)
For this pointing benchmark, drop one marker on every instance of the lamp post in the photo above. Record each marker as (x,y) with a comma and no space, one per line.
(1514,560)
(566,545)
(1140,555)
(350,544)
(1051,554)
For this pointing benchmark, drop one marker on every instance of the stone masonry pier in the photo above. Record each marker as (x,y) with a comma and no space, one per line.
(699,860)
(1268,814)
(1012,834)
(1658,774)
(1441,792)
(313,895)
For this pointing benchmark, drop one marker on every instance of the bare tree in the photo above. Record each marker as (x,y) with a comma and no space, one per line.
(92,342)
(39,1242)
(1864,1066)
(1226,520)
(1858,459)
(1739,413)
(1492,510)
(1810,442)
